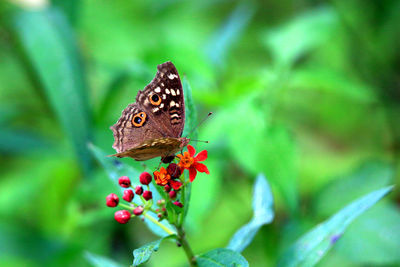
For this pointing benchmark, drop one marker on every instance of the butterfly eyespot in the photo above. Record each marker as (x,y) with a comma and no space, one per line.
(139,119)
(155,99)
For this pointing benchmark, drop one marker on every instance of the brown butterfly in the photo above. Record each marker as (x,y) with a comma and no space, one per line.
(152,126)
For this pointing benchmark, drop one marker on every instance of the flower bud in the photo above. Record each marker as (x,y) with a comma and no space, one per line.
(179,204)
(124,181)
(159,215)
(172,194)
(122,216)
(138,210)
(145,178)
(174,170)
(167,188)
(128,195)
(176,185)
(147,195)
(138,190)
(112,200)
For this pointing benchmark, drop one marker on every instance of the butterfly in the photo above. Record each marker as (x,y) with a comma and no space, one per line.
(153,125)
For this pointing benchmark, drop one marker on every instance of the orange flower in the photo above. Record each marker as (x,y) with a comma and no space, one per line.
(191,162)
(162,177)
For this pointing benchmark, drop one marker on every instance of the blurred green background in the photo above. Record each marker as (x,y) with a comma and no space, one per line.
(306,92)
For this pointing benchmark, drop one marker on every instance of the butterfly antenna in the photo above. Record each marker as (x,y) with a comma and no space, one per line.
(208,115)
(199,141)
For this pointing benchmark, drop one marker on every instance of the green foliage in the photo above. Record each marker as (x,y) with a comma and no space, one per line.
(143,254)
(305,92)
(100,261)
(221,257)
(311,247)
(263,213)
(50,49)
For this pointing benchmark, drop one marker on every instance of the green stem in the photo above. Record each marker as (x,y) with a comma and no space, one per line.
(166,229)
(186,247)
(126,206)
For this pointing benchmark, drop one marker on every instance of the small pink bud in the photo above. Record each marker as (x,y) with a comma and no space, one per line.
(145,178)
(160,202)
(172,194)
(112,200)
(179,204)
(138,190)
(167,188)
(128,195)
(147,195)
(159,215)
(138,210)
(122,216)
(124,181)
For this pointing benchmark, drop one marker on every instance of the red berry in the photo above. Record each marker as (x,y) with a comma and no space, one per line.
(112,200)
(128,195)
(174,170)
(138,190)
(138,210)
(179,204)
(122,216)
(147,195)
(172,194)
(124,181)
(145,178)
(167,188)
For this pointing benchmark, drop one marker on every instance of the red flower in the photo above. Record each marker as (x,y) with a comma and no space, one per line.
(191,162)
(175,184)
(161,177)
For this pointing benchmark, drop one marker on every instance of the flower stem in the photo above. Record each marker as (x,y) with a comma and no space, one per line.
(126,206)
(166,229)
(186,247)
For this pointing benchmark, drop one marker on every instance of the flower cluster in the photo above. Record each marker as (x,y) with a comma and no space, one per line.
(171,179)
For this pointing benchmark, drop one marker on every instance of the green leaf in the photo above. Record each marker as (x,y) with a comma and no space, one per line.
(380,242)
(379,226)
(49,46)
(221,257)
(361,181)
(100,261)
(311,247)
(190,110)
(115,169)
(190,128)
(143,254)
(263,205)
(270,149)
(230,32)
(301,35)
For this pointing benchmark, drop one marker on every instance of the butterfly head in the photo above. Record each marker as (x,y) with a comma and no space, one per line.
(184,142)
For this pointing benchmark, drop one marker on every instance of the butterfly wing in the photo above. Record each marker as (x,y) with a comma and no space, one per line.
(151,127)
(163,100)
(163,147)
(133,128)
